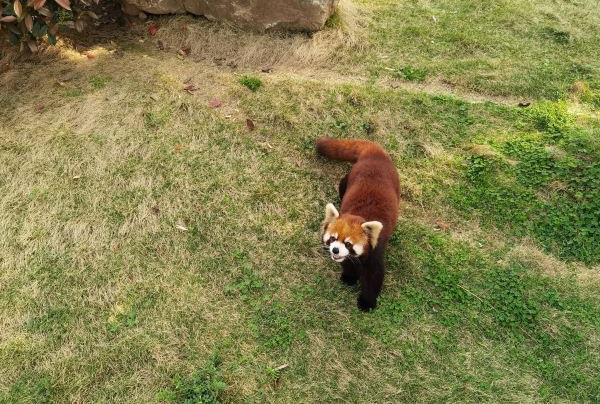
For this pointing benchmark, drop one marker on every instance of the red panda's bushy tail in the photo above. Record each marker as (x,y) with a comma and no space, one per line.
(345,150)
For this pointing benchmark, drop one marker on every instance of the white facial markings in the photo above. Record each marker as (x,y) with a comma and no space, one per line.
(341,248)
(358,249)
(326,236)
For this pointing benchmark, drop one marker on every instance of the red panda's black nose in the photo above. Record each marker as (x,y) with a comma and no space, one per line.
(335,250)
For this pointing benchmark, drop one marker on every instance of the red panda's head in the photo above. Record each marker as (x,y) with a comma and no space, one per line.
(348,235)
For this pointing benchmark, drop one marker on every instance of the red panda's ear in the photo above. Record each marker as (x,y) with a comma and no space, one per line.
(331,213)
(372,230)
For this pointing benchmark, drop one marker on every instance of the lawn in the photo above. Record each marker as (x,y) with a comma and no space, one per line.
(160,210)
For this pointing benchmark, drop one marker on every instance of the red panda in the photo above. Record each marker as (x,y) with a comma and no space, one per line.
(358,234)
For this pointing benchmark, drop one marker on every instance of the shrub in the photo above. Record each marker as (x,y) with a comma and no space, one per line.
(26,22)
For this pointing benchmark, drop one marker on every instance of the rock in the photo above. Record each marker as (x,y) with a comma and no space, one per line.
(294,15)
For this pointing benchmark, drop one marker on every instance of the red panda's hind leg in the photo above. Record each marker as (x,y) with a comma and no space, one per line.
(343,185)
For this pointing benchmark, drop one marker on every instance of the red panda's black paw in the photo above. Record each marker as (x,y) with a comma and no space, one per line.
(366,305)
(348,280)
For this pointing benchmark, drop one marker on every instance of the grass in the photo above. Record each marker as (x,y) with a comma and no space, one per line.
(154,248)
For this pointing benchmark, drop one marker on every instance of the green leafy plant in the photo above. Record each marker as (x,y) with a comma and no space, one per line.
(251,83)
(28,23)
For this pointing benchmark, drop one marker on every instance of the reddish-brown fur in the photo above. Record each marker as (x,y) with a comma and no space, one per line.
(372,187)
(369,192)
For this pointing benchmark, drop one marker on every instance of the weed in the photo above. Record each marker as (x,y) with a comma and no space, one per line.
(99,81)
(204,386)
(251,83)
(410,73)
(157,119)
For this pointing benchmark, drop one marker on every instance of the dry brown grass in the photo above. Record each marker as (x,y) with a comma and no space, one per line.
(222,44)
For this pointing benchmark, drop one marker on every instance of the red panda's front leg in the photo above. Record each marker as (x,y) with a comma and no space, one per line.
(350,271)
(371,280)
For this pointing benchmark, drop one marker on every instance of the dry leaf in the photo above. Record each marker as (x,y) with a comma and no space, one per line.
(155,210)
(47,13)
(190,88)
(155,97)
(440,224)
(32,46)
(79,25)
(160,44)
(181,227)
(18,8)
(215,103)
(152,29)
(267,69)
(39,108)
(76,177)
(250,124)
(37,4)
(90,55)
(29,23)
(278,368)
(66,4)
(185,51)
(8,18)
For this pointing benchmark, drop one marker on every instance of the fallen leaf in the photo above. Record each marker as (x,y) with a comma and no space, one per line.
(440,224)
(524,104)
(152,29)
(266,69)
(278,368)
(190,88)
(185,51)
(250,125)
(32,46)
(155,210)
(215,103)
(181,227)
(178,148)
(90,55)
(160,45)
(155,97)
(76,177)
(39,108)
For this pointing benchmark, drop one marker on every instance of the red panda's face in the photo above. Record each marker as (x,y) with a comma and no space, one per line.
(348,236)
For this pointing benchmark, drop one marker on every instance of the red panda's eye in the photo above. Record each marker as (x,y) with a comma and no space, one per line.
(348,245)
(331,239)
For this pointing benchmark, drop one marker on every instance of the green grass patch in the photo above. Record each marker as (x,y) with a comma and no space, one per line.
(544,184)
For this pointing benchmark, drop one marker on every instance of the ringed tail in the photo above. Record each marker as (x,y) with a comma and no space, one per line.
(346,150)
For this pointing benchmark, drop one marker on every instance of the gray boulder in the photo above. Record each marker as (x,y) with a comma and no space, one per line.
(294,15)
